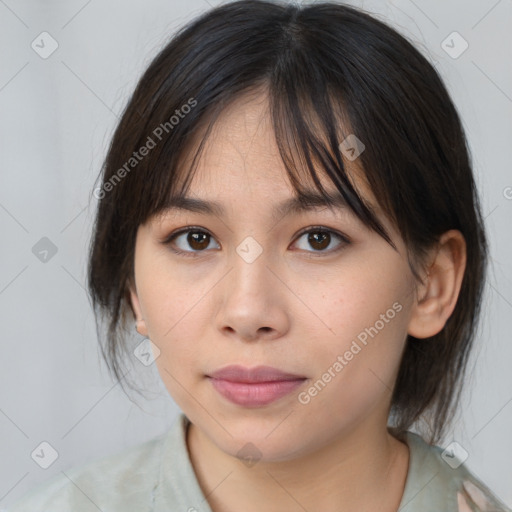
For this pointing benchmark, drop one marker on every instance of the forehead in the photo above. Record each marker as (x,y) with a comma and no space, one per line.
(241,154)
(241,145)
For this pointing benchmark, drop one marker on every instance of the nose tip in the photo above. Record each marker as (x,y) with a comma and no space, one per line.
(245,332)
(251,307)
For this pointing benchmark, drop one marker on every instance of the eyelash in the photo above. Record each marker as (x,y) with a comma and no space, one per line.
(313,229)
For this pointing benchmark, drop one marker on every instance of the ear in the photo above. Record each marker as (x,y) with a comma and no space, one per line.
(437,296)
(140,322)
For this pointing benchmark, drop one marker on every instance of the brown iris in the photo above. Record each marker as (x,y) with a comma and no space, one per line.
(319,238)
(197,240)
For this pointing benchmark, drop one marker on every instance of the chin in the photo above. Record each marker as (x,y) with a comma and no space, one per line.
(266,439)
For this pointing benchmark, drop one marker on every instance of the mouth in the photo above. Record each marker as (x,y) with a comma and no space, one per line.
(254,387)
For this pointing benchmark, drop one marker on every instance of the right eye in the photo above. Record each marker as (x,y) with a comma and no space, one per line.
(196,238)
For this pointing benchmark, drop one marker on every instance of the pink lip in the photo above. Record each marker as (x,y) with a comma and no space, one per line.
(254,386)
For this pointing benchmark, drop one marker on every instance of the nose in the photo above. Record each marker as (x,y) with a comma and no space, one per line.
(253,301)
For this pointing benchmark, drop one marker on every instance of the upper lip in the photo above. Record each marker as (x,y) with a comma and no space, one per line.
(237,373)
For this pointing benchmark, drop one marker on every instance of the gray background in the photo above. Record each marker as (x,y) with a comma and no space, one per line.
(57,116)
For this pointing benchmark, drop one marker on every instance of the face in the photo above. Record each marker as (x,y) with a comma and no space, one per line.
(313,294)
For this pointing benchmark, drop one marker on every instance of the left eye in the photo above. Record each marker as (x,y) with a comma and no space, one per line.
(318,238)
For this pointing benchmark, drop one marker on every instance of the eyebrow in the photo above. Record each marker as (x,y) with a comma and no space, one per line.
(306,201)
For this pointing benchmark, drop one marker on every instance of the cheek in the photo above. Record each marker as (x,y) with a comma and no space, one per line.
(176,320)
(172,298)
(361,297)
(172,308)
(367,316)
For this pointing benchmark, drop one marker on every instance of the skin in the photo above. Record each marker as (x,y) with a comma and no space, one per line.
(295,308)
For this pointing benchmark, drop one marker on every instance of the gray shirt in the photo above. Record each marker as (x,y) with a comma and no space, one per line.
(157,476)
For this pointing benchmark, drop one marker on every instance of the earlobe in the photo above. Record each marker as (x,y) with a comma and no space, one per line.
(438,296)
(140,324)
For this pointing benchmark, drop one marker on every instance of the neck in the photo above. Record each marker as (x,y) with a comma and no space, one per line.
(364,469)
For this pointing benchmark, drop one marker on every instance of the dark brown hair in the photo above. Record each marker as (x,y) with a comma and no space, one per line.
(314,61)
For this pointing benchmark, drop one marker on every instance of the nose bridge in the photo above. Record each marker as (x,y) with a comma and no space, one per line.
(250,273)
(251,305)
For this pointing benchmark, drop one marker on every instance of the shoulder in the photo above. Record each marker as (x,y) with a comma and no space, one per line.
(439,480)
(123,481)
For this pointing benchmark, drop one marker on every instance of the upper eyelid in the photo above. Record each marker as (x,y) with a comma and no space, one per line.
(181,231)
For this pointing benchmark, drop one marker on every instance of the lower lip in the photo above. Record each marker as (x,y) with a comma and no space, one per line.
(255,394)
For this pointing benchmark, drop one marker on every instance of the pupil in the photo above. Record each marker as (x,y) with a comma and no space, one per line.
(193,240)
(313,238)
